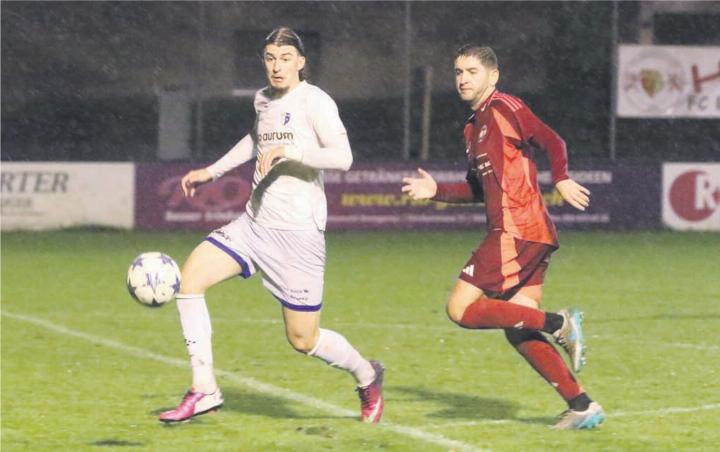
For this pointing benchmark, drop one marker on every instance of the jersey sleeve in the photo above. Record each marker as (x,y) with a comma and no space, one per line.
(462,192)
(540,135)
(244,150)
(334,150)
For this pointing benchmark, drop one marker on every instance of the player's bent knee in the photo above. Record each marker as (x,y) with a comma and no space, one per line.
(304,347)
(455,311)
(302,344)
(462,296)
(191,285)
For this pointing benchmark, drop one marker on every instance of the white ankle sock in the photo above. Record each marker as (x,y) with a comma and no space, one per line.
(335,350)
(197,330)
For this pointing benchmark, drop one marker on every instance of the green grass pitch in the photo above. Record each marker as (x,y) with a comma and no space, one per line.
(86,368)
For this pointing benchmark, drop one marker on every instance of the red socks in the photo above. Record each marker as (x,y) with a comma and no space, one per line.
(546,360)
(488,313)
(522,325)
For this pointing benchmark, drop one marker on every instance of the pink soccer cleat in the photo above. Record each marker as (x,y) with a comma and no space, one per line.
(193,404)
(371,399)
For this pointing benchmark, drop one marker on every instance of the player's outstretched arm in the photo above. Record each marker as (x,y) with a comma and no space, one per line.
(575,194)
(194,179)
(423,187)
(243,151)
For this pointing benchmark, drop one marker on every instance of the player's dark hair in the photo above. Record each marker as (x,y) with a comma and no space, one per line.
(484,54)
(286,36)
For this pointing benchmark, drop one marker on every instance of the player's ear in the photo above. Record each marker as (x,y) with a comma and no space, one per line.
(301,62)
(494,76)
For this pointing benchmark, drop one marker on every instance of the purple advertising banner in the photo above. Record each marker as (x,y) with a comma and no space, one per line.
(368,197)
(161,205)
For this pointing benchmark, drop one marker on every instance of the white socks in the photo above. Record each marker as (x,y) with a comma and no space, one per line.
(331,347)
(195,321)
(335,350)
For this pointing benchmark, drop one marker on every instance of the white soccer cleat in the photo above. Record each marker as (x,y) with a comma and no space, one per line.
(570,337)
(574,420)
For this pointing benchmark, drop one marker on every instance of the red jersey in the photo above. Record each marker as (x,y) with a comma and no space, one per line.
(502,137)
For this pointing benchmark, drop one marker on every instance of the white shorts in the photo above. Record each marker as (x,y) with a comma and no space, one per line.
(292,262)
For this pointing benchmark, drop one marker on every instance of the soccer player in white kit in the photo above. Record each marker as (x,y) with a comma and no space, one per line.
(297,134)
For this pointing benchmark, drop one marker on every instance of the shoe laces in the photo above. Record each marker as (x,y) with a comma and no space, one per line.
(561,336)
(365,395)
(189,400)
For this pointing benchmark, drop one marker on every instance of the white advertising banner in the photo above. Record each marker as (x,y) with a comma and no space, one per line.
(691,196)
(49,195)
(668,81)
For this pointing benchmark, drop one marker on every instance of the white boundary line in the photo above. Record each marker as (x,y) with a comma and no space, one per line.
(706,347)
(450,329)
(670,410)
(657,412)
(250,383)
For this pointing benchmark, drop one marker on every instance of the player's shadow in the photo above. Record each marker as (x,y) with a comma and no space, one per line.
(465,406)
(113,442)
(254,403)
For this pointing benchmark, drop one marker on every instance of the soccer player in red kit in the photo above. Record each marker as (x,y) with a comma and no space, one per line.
(500,286)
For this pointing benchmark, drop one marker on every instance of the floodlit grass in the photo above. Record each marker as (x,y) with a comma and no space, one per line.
(86,368)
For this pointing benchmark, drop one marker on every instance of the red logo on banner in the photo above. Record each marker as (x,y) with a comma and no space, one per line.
(224,194)
(694,196)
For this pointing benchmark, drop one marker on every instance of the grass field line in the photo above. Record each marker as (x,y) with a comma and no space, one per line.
(451,329)
(671,410)
(655,342)
(248,382)
(656,412)
(375,325)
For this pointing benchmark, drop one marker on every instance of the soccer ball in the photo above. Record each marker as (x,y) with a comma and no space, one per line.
(153,279)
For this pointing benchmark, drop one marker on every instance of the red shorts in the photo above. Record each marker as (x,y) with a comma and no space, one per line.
(503,264)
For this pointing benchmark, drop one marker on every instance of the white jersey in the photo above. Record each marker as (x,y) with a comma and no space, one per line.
(306,122)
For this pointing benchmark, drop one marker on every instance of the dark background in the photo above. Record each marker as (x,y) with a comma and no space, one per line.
(80,80)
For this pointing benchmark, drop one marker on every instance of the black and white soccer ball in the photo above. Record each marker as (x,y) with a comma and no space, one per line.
(153,279)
